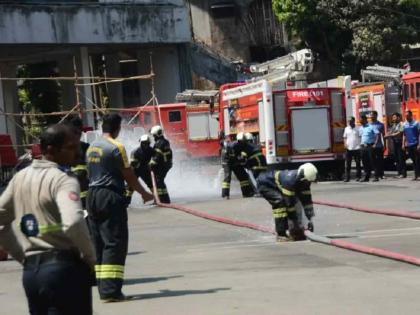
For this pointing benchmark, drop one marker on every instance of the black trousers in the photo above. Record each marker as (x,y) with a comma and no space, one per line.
(58,287)
(399,157)
(146,177)
(108,223)
(413,154)
(241,175)
(281,213)
(367,159)
(162,191)
(378,161)
(350,155)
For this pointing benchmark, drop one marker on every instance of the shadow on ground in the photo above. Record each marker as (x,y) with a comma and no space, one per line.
(148,280)
(172,293)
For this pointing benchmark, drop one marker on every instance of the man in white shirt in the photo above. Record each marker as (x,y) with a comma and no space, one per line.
(352,144)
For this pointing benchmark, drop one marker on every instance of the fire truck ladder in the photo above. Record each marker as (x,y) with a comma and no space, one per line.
(295,65)
(381,73)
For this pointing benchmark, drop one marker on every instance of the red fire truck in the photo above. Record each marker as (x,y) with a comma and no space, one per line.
(411,94)
(292,123)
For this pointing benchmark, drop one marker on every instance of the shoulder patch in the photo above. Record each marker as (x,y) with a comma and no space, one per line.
(74,196)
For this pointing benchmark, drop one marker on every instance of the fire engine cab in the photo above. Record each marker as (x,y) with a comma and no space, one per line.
(292,123)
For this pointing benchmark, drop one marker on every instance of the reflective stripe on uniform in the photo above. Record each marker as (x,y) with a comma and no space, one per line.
(225,185)
(162,191)
(44,229)
(164,154)
(83,194)
(291,209)
(277,179)
(306,192)
(244,183)
(109,271)
(310,206)
(122,151)
(78,168)
(279,213)
(287,192)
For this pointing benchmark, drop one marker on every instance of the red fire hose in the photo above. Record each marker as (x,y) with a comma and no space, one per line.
(311,236)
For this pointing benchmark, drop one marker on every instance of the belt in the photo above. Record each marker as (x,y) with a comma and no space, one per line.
(51,257)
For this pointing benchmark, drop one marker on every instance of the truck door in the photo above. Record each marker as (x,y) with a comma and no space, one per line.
(310,129)
(175,124)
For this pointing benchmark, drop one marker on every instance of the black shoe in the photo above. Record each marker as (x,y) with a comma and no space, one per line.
(375,180)
(346,180)
(120,298)
(358,179)
(365,180)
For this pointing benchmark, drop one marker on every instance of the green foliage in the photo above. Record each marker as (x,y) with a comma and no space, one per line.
(353,33)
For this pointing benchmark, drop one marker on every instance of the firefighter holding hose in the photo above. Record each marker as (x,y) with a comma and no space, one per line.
(161,162)
(282,189)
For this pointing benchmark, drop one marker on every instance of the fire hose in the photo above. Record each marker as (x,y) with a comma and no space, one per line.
(310,235)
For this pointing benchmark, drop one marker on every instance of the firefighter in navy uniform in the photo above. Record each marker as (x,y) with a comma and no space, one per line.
(108,168)
(231,164)
(140,160)
(250,153)
(80,169)
(282,189)
(161,162)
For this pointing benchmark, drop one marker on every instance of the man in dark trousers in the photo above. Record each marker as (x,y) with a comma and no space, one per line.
(161,162)
(251,153)
(411,142)
(369,136)
(51,239)
(140,160)
(230,164)
(282,189)
(352,144)
(378,147)
(108,168)
(396,135)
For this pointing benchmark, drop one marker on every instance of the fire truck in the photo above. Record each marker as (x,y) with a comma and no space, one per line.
(191,128)
(292,122)
(411,94)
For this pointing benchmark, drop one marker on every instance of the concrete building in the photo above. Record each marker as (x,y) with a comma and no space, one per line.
(191,43)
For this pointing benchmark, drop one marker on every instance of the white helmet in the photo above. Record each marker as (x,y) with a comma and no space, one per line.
(240,136)
(144,138)
(156,131)
(249,137)
(308,172)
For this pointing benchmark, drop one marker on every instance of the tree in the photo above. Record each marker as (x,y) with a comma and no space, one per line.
(351,34)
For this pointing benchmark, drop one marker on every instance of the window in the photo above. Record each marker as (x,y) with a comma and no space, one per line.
(412,91)
(405,92)
(175,116)
(147,118)
(418,90)
(224,9)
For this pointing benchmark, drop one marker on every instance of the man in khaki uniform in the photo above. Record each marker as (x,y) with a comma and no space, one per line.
(49,235)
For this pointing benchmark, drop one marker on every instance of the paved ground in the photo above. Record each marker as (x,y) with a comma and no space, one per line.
(180,264)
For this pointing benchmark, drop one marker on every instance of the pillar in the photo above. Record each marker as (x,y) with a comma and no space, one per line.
(86,93)
(115,91)
(68,90)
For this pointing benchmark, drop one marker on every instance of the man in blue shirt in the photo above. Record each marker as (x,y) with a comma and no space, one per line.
(378,147)
(411,141)
(369,136)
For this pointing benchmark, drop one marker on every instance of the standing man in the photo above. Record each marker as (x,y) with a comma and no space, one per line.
(411,141)
(108,168)
(378,147)
(282,189)
(140,160)
(161,162)
(80,168)
(51,240)
(369,136)
(231,164)
(251,153)
(396,137)
(352,144)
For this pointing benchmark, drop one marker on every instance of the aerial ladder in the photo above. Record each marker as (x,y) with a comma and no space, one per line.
(386,74)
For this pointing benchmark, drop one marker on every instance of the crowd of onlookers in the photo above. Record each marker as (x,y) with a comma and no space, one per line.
(366,144)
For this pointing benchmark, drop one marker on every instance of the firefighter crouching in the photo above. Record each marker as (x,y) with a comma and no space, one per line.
(251,153)
(282,189)
(108,168)
(161,162)
(231,164)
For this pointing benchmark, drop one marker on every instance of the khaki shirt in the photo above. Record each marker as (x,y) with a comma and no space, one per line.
(41,210)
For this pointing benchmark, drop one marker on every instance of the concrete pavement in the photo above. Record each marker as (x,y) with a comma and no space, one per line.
(181,264)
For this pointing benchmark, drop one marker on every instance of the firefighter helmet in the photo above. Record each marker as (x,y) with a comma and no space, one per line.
(249,137)
(240,136)
(156,131)
(308,172)
(144,138)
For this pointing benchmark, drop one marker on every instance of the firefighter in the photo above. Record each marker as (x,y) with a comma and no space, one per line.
(140,159)
(108,167)
(250,153)
(161,162)
(282,189)
(231,164)
(51,239)
(80,169)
